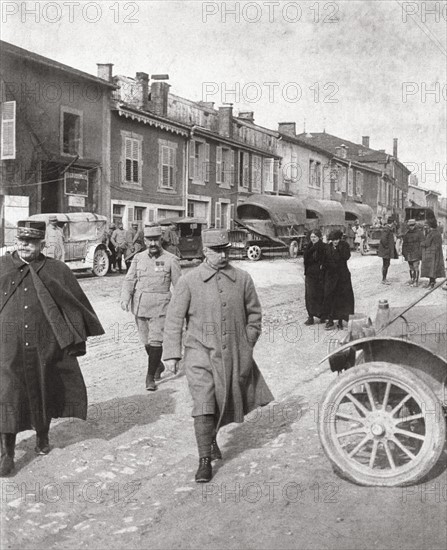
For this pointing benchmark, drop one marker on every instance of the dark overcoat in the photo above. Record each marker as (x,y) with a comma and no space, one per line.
(432,256)
(45,319)
(314,278)
(411,245)
(387,247)
(223,316)
(338,293)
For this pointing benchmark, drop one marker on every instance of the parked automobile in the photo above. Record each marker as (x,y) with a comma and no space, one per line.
(189,231)
(382,419)
(83,240)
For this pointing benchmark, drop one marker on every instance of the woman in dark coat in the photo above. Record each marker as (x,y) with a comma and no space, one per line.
(432,257)
(313,271)
(338,293)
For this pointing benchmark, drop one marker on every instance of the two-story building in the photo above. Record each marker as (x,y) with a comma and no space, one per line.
(55,138)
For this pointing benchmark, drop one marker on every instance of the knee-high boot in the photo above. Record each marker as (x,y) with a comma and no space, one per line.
(153,364)
(160,367)
(8,444)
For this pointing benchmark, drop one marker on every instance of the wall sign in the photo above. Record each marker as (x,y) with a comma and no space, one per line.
(76,184)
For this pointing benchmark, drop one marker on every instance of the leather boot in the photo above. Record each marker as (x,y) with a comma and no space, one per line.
(160,369)
(215,451)
(205,470)
(153,364)
(416,277)
(42,443)
(8,443)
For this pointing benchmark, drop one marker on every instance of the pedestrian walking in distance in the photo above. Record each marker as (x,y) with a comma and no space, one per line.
(338,293)
(314,276)
(45,320)
(54,240)
(412,251)
(387,249)
(146,291)
(223,314)
(119,241)
(432,256)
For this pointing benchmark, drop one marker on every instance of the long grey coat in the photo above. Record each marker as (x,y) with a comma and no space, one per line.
(432,256)
(223,316)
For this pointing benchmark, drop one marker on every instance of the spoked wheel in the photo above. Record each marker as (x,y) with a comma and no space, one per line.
(100,262)
(254,253)
(381,425)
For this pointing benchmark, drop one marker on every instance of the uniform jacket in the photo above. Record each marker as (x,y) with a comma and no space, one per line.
(54,243)
(432,257)
(148,282)
(223,316)
(45,319)
(411,245)
(387,248)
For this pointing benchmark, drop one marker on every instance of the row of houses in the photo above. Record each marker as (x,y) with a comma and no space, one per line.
(128,148)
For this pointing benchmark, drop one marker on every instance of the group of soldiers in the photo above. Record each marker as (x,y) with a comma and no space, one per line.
(48,318)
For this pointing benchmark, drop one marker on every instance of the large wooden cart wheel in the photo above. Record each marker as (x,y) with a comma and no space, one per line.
(381,425)
(100,262)
(254,252)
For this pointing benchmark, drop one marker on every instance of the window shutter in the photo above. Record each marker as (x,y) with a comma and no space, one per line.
(207,163)
(218,165)
(172,166)
(151,215)
(192,160)
(231,216)
(130,215)
(217,216)
(232,168)
(8,145)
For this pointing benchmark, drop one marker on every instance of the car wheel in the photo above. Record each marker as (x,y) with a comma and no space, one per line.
(100,262)
(381,425)
(254,253)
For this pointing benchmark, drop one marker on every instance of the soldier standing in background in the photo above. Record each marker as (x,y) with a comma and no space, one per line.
(411,250)
(146,291)
(54,240)
(119,241)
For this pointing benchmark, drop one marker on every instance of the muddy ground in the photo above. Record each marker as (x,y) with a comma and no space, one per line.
(125,477)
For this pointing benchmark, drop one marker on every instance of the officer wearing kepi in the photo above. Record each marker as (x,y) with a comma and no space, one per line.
(146,290)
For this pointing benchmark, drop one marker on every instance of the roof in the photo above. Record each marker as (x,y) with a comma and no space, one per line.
(11,49)
(330,212)
(282,210)
(330,143)
(69,217)
(362,211)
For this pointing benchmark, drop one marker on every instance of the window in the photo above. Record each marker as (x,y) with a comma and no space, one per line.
(132,160)
(71,131)
(190,210)
(314,173)
(223,214)
(244,170)
(117,213)
(359,183)
(139,214)
(256,173)
(270,175)
(225,166)
(167,164)
(8,130)
(350,181)
(199,161)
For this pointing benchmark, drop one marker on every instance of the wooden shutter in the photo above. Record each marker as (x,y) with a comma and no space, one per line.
(130,215)
(218,165)
(192,160)
(232,167)
(231,216)
(217,216)
(8,145)
(206,176)
(172,166)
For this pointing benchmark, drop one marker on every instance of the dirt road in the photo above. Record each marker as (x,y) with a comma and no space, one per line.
(125,477)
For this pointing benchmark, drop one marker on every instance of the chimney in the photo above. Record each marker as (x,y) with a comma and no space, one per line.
(341,151)
(142,90)
(225,120)
(105,71)
(287,128)
(247,115)
(365,141)
(159,97)
(395,148)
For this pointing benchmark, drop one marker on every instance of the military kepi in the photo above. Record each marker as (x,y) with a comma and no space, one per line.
(216,238)
(152,231)
(30,229)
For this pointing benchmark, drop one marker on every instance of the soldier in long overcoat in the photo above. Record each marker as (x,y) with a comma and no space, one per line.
(147,292)
(387,249)
(45,319)
(411,250)
(223,314)
(432,256)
